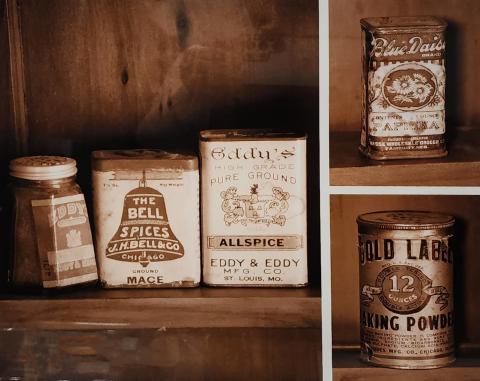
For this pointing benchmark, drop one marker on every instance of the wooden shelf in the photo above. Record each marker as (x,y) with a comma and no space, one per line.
(157,308)
(460,168)
(348,367)
(200,354)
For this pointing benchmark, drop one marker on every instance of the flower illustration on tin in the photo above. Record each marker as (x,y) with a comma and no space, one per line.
(403,85)
(409,87)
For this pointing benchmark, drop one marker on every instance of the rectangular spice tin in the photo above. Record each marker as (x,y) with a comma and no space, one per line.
(254,208)
(403,93)
(406,289)
(146,206)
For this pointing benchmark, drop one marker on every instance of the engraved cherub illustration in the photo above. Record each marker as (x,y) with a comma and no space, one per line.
(277,206)
(254,207)
(231,206)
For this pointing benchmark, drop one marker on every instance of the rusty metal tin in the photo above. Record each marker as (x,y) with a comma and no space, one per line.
(403,93)
(406,289)
(254,208)
(146,206)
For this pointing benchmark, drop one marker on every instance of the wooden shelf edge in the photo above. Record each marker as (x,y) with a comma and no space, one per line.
(348,367)
(460,168)
(408,175)
(240,309)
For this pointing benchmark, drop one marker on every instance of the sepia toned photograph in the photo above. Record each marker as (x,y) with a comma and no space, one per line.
(160,190)
(403,137)
(404,287)
(403,103)
(268,190)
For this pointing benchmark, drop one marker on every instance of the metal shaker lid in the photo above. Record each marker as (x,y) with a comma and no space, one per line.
(43,167)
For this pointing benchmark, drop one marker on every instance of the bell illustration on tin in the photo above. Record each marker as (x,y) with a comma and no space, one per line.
(144,234)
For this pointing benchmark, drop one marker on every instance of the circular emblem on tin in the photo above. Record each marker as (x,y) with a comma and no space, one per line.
(402,289)
(409,87)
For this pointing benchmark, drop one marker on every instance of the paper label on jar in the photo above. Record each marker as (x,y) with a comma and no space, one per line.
(254,212)
(406,300)
(147,228)
(64,241)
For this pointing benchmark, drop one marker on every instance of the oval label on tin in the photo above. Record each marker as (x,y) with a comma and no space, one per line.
(404,290)
(410,87)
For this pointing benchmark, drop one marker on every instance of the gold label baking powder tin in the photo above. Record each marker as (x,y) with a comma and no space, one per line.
(403,88)
(406,289)
(254,208)
(146,205)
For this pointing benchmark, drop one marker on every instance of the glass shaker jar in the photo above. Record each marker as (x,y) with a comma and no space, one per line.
(52,242)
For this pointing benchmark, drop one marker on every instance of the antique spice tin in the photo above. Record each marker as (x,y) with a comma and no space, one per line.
(403,88)
(254,209)
(52,241)
(146,206)
(406,289)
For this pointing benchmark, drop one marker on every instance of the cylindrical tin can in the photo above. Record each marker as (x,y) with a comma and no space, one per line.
(254,209)
(146,207)
(403,88)
(406,289)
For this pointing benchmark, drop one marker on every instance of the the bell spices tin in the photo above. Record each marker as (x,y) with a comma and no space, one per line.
(403,88)
(146,205)
(254,209)
(406,289)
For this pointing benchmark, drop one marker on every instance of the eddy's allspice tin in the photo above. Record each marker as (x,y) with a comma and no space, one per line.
(254,209)
(146,206)
(403,87)
(406,289)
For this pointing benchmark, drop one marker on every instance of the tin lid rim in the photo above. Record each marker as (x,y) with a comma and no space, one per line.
(361,221)
(111,160)
(113,154)
(438,24)
(250,134)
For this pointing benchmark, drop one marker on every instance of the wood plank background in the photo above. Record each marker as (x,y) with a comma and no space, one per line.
(345,299)
(7,140)
(115,73)
(102,74)
(6,122)
(463,55)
